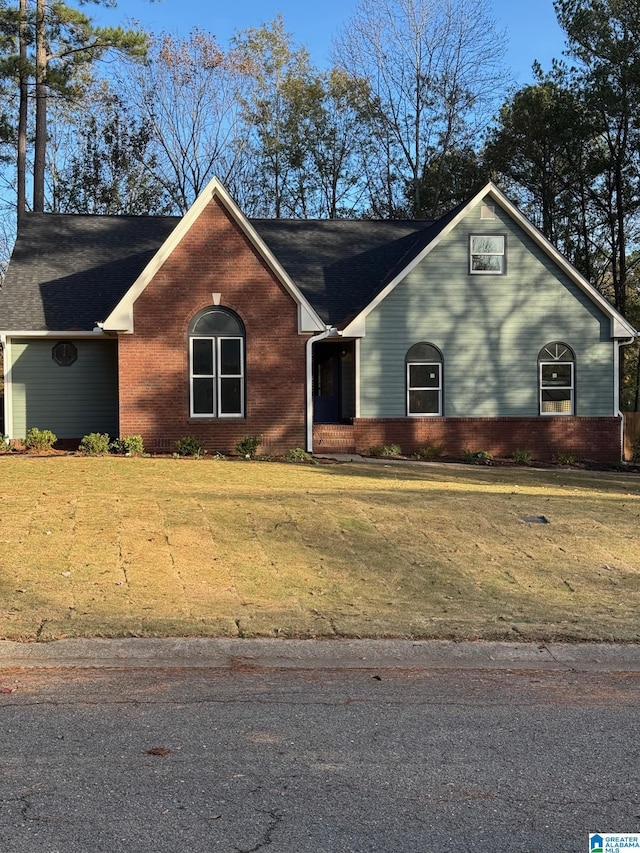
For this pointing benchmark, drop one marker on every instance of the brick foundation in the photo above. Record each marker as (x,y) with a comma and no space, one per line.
(597,439)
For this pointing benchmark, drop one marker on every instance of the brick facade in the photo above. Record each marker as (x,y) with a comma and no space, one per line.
(597,439)
(213,257)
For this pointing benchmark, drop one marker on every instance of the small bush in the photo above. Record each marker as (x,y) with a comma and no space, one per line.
(522,457)
(128,445)
(477,457)
(429,451)
(5,444)
(189,446)
(95,444)
(563,459)
(385,450)
(40,439)
(248,446)
(298,455)
(635,449)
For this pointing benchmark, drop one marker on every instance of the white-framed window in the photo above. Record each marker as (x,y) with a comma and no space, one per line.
(556,379)
(424,380)
(216,365)
(487,254)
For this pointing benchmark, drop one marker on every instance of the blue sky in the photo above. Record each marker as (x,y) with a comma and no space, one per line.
(531,28)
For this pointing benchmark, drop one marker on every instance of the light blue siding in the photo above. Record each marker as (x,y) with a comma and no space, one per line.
(490,329)
(71,401)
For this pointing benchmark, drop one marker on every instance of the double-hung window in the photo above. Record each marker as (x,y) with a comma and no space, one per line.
(216,365)
(424,380)
(487,254)
(556,372)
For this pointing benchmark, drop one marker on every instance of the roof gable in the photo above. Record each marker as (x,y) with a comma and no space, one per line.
(121,317)
(620,327)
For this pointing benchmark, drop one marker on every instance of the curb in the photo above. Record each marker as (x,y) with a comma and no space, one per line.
(246,654)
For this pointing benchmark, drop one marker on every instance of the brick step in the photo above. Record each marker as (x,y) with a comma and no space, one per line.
(333,438)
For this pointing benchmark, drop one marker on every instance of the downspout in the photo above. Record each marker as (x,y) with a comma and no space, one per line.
(5,376)
(309,352)
(619,412)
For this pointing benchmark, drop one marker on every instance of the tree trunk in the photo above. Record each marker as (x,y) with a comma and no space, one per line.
(41,108)
(22,111)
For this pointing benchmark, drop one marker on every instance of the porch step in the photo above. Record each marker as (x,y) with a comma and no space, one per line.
(333,438)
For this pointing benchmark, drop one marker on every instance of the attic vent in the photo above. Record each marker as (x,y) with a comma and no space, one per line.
(64,353)
(487,211)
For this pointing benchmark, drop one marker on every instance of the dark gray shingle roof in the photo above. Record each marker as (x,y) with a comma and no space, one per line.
(340,265)
(69,271)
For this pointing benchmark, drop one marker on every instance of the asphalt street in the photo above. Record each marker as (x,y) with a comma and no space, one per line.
(246,746)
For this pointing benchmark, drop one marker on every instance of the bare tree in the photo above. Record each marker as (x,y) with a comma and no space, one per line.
(187,96)
(436,74)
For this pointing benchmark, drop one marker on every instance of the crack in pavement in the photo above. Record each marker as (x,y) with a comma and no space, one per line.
(267,838)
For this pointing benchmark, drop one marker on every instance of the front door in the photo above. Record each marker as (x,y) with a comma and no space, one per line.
(333,369)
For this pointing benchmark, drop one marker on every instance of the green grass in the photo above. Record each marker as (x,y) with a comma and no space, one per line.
(159,547)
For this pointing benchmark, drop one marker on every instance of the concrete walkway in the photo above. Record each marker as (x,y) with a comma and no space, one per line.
(319,654)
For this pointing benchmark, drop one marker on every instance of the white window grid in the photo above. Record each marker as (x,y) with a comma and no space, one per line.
(216,377)
(502,254)
(438,366)
(562,407)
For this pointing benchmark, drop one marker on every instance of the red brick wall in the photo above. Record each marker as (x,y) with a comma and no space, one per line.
(597,439)
(213,257)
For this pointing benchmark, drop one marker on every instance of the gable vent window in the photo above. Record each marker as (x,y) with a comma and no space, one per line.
(487,211)
(216,364)
(424,380)
(64,353)
(487,254)
(556,371)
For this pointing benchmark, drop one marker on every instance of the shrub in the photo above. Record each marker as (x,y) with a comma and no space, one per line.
(563,458)
(190,446)
(40,439)
(95,444)
(635,449)
(248,446)
(385,450)
(128,445)
(298,455)
(5,444)
(522,457)
(429,451)
(477,457)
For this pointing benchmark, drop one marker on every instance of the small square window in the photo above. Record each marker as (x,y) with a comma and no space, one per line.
(487,254)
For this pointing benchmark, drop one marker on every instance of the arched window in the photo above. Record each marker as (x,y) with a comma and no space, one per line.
(424,380)
(216,364)
(557,379)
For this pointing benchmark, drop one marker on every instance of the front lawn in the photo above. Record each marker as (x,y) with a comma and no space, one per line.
(178,547)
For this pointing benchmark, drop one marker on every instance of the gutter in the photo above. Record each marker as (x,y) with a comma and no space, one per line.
(330,331)
(39,333)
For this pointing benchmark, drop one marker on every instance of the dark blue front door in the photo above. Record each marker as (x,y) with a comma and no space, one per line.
(327,385)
